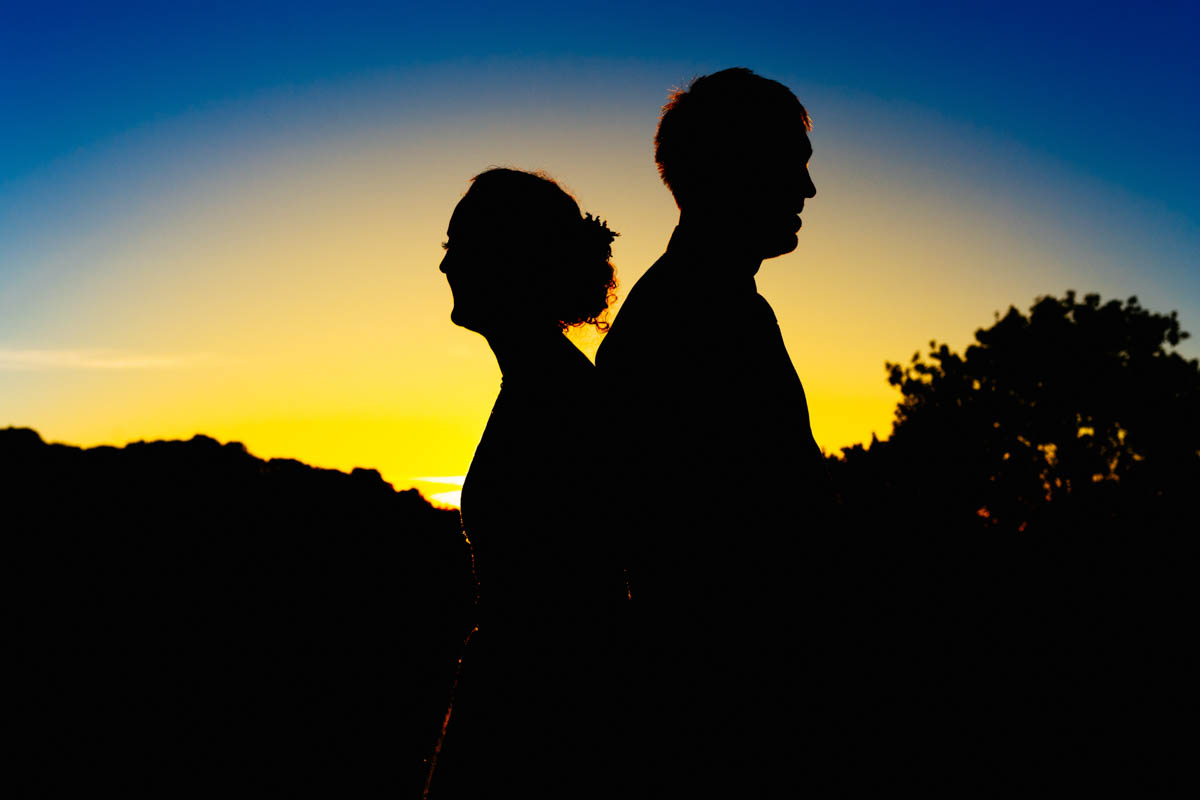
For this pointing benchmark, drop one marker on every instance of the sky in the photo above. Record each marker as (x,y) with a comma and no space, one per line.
(226,218)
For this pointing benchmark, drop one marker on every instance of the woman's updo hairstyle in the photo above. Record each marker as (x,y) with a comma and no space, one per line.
(569,251)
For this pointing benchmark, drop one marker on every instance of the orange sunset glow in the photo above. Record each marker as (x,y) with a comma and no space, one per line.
(287,296)
(264,267)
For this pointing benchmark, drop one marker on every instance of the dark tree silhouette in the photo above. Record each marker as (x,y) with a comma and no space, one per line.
(1077,411)
(1016,560)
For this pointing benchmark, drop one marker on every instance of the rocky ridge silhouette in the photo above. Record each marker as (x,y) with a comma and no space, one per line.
(191,617)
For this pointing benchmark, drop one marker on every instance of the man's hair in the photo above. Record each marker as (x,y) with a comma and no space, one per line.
(714,113)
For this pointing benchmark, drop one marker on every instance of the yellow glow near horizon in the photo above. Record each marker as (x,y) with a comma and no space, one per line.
(292,301)
(452,499)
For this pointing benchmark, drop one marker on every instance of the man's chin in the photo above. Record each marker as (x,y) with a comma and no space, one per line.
(781,245)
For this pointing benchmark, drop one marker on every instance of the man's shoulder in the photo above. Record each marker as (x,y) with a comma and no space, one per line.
(644,319)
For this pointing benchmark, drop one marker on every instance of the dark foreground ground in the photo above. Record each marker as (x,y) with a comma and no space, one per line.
(190,619)
(193,620)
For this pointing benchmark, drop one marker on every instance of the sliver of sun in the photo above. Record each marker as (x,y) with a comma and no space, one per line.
(451,498)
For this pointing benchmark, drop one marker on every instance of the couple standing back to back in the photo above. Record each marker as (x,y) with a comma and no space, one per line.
(642,619)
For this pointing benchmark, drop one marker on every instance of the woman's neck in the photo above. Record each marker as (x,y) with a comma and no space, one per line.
(521,350)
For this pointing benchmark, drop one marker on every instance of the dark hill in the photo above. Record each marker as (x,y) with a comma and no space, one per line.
(191,618)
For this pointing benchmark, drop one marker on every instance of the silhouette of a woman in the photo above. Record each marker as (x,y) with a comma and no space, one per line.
(532,714)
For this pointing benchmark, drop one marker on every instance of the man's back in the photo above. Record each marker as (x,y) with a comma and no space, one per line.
(723,484)
(696,361)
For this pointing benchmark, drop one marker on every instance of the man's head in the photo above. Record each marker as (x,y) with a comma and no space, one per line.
(733,148)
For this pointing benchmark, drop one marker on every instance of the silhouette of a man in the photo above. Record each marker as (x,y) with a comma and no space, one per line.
(716,453)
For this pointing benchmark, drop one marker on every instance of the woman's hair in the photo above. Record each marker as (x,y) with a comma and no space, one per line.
(571,251)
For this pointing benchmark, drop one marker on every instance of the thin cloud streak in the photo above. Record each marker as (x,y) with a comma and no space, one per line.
(446,480)
(452,499)
(88,360)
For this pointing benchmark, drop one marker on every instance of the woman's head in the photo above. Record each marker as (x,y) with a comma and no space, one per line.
(519,253)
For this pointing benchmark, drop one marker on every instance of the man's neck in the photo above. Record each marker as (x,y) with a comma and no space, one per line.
(719,246)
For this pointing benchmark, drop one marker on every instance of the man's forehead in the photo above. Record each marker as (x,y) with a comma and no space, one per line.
(786,136)
(468,211)
(465,220)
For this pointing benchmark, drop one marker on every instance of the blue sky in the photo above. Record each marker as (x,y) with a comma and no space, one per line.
(1125,73)
(251,196)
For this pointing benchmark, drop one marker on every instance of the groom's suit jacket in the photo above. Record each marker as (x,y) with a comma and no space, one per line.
(721,480)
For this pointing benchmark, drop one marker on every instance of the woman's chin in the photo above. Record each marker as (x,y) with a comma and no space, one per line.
(473,322)
(462,320)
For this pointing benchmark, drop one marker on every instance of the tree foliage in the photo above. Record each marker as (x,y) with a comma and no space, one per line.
(1018,555)
(1079,411)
